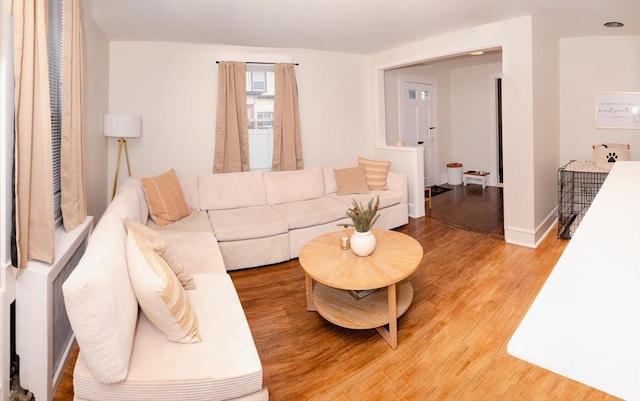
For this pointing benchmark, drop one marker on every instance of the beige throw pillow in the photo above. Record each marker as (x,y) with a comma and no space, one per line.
(159,293)
(165,198)
(351,181)
(164,250)
(376,173)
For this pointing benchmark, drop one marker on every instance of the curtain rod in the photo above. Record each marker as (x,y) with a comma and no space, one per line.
(258,62)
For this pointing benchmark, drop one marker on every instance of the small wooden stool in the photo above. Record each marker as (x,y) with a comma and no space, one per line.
(476,177)
(428,198)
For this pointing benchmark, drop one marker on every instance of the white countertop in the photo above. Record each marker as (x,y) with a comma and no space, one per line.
(585,322)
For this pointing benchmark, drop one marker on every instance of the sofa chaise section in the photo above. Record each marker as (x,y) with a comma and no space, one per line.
(223,366)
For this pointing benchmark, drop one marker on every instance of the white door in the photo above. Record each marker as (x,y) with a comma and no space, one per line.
(419,125)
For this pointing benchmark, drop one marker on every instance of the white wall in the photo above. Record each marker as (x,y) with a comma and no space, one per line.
(174,87)
(546,98)
(473,117)
(96,101)
(589,65)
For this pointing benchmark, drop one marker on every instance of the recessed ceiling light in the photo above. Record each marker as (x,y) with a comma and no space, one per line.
(476,53)
(613,24)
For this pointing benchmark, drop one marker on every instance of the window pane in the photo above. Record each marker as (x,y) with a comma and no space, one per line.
(265,120)
(259,81)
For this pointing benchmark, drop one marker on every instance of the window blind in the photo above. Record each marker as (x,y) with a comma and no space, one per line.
(55,58)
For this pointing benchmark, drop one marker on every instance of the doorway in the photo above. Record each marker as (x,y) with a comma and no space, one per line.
(468,124)
(417,120)
(497,85)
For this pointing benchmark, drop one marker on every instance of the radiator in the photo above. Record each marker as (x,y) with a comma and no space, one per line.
(43,333)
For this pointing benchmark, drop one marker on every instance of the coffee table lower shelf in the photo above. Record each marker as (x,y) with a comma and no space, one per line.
(340,308)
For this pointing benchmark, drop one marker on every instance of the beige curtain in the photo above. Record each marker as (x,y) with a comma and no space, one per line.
(33,158)
(232,134)
(72,189)
(287,145)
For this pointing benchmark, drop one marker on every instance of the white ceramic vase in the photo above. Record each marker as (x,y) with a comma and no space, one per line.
(362,244)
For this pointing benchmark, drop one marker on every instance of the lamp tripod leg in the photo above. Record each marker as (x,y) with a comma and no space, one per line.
(126,154)
(115,177)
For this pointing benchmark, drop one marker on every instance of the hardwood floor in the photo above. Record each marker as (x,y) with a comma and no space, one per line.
(471,208)
(471,291)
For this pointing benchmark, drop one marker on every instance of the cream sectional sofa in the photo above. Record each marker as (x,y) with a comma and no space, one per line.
(237,220)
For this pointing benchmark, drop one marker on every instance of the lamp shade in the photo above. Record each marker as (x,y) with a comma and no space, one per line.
(122,125)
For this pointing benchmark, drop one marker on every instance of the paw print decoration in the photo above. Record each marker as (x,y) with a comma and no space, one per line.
(611,157)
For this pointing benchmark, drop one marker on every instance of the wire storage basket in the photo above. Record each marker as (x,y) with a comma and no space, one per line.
(578,184)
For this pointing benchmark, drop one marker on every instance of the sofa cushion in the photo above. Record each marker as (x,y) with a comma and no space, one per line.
(247,223)
(159,292)
(264,251)
(196,222)
(100,302)
(311,212)
(189,185)
(165,198)
(165,250)
(225,365)
(130,203)
(193,242)
(376,172)
(351,181)
(387,198)
(293,186)
(231,190)
(199,252)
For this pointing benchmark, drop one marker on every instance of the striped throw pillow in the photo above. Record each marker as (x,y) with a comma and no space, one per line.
(165,199)
(375,172)
(159,246)
(159,293)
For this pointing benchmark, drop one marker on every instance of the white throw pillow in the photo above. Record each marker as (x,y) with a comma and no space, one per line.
(101,304)
(159,293)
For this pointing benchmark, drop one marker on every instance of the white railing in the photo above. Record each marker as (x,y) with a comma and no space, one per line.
(260,148)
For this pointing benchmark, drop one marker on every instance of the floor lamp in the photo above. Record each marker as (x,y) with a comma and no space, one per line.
(122,126)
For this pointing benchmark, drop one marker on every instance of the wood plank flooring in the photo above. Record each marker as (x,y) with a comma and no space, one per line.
(471,208)
(471,291)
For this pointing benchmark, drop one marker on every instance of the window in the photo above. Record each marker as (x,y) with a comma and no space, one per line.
(260,94)
(265,119)
(54,49)
(258,81)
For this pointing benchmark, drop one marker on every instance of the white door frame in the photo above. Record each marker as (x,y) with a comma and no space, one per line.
(420,79)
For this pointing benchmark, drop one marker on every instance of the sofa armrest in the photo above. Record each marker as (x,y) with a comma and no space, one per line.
(397,182)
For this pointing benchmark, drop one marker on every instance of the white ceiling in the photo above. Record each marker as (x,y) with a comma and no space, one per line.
(351,26)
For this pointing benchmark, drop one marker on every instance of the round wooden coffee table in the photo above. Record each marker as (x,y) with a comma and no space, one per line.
(333,278)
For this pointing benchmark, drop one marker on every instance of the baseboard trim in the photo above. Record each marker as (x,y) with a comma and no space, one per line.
(531,238)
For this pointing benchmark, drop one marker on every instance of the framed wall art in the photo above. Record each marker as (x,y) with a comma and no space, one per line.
(618,110)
